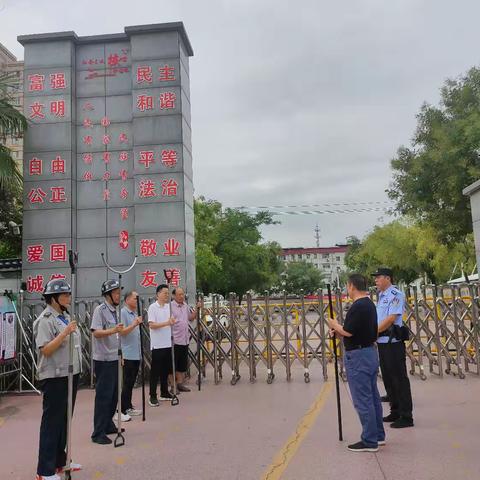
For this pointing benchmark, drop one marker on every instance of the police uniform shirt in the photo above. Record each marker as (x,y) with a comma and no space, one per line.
(130,342)
(46,327)
(390,302)
(104,349)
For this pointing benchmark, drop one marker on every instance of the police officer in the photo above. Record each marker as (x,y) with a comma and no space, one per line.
(105,328)
(53,331)
(391,348)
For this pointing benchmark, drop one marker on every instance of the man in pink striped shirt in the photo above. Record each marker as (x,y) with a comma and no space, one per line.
(181,337)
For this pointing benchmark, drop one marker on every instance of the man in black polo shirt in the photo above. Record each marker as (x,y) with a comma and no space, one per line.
(359,334)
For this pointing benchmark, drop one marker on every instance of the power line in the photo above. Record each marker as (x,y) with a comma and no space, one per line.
(343,204)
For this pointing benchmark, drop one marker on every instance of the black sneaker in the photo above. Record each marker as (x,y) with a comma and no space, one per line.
(391,418)
(361,447)
(115,430)
(153,402)
(103,440)
(402,422)
(385,399)
(166,397)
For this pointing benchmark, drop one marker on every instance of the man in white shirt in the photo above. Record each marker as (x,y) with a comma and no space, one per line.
(160,324)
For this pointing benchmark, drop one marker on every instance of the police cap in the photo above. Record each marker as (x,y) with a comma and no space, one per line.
(57,286)
(109,285)
(383,271)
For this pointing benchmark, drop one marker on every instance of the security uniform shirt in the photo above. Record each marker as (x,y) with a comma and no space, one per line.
(131,342)
(390,302)
(46,327)
(361,322)
(104,349)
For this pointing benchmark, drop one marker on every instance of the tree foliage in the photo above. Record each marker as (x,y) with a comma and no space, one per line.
(10,211)
(302,276)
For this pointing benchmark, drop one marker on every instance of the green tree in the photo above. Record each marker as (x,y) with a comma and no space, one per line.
(302,276)
(12,123)
(444,158)
(229,254)
(10,211)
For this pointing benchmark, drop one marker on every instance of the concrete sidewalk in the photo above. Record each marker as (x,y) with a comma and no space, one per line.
(249,432)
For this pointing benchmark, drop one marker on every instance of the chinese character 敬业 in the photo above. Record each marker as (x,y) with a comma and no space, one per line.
(148,247)
(171,247)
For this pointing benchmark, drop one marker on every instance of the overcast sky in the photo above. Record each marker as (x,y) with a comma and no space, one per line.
(293,102)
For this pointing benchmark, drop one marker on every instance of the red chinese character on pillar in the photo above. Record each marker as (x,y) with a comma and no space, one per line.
(106,176)
(122,138)
(106,157)
(146,157)
(35,253)
(169,187)
(123,175)
(167,100)
(35,284)
(88,158)
(124,213)
(37,110)
(106,194)
(166,73)
(174,275)
(36,195)
(58,165)
(58,252)
(123,193)
(144,74)
(145,102)
(57,81)
(58,195)
(113,59)
(57,276)
(123,239)
(148,279)
(105,122)
(169,158)
(87,123)
(148,247)
(36,83)
(87,139)
(146,189)
(171,248)
(57,108)
(88,107)
(123,156)
(35,166)
(87,176)
(106,139)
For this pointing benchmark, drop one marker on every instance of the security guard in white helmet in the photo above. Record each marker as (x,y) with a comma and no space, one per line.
(105,327)
(52,331)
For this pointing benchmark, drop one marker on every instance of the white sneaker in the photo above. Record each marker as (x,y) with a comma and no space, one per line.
(134,413)
(48,477)
(74,467)
(123,416)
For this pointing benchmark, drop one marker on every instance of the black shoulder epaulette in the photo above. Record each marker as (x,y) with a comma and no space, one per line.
(47,314)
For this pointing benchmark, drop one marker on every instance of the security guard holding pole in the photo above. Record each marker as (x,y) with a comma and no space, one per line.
(53,330)
(391,348)
(105,329)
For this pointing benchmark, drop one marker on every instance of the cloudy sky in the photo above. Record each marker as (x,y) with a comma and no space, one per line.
(293,102)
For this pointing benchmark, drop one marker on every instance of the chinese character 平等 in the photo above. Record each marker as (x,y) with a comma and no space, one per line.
(146,158)
(169,158)
(173,274)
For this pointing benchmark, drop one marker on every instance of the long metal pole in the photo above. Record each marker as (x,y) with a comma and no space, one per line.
(168,277)
(142,358)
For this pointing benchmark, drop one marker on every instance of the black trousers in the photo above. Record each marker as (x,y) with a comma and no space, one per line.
(395,378)
(106,397)
(161,368)
(130,371)
(53,429)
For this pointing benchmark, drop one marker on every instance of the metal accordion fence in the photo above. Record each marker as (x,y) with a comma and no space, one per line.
(271,336)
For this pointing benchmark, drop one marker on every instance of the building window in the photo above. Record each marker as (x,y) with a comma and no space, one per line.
(326,266)
(299,256)
(338,259)
(315,256)
(308,255)
(325,255)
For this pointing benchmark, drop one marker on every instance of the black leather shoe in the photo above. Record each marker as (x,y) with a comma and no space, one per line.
(111,432)
(393,417)
(104,440)
(402,422)
(385,399)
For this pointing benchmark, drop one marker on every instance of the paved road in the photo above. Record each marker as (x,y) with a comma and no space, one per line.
(265,432)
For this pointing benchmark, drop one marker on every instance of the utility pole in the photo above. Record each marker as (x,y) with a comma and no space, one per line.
(317,235)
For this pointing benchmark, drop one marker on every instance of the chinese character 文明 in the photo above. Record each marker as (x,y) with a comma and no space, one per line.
(148,247)
(58,252)
(107,157)
(167,100)
(106,194)
(58,195)
(87,123)
(122,138)
(145,102)
(36,110)
(36,195)
(123,174)
(144,74)
(57,81)
(57,108)
(171,247)
(35,253)
(123,239)
(106,139)
(169,158)
(146,189)
(123,156)
(124,213)
(169,187)
(167,73)
(87,139)
(123,193)
(35,166)
(106,176)
(173,276)
(148,279)
(35,83)
(58,165)
(105,122)
(146,158)
(88,158)
(87,176)
(35,284)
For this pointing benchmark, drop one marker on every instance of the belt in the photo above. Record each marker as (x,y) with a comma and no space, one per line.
(359,347)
